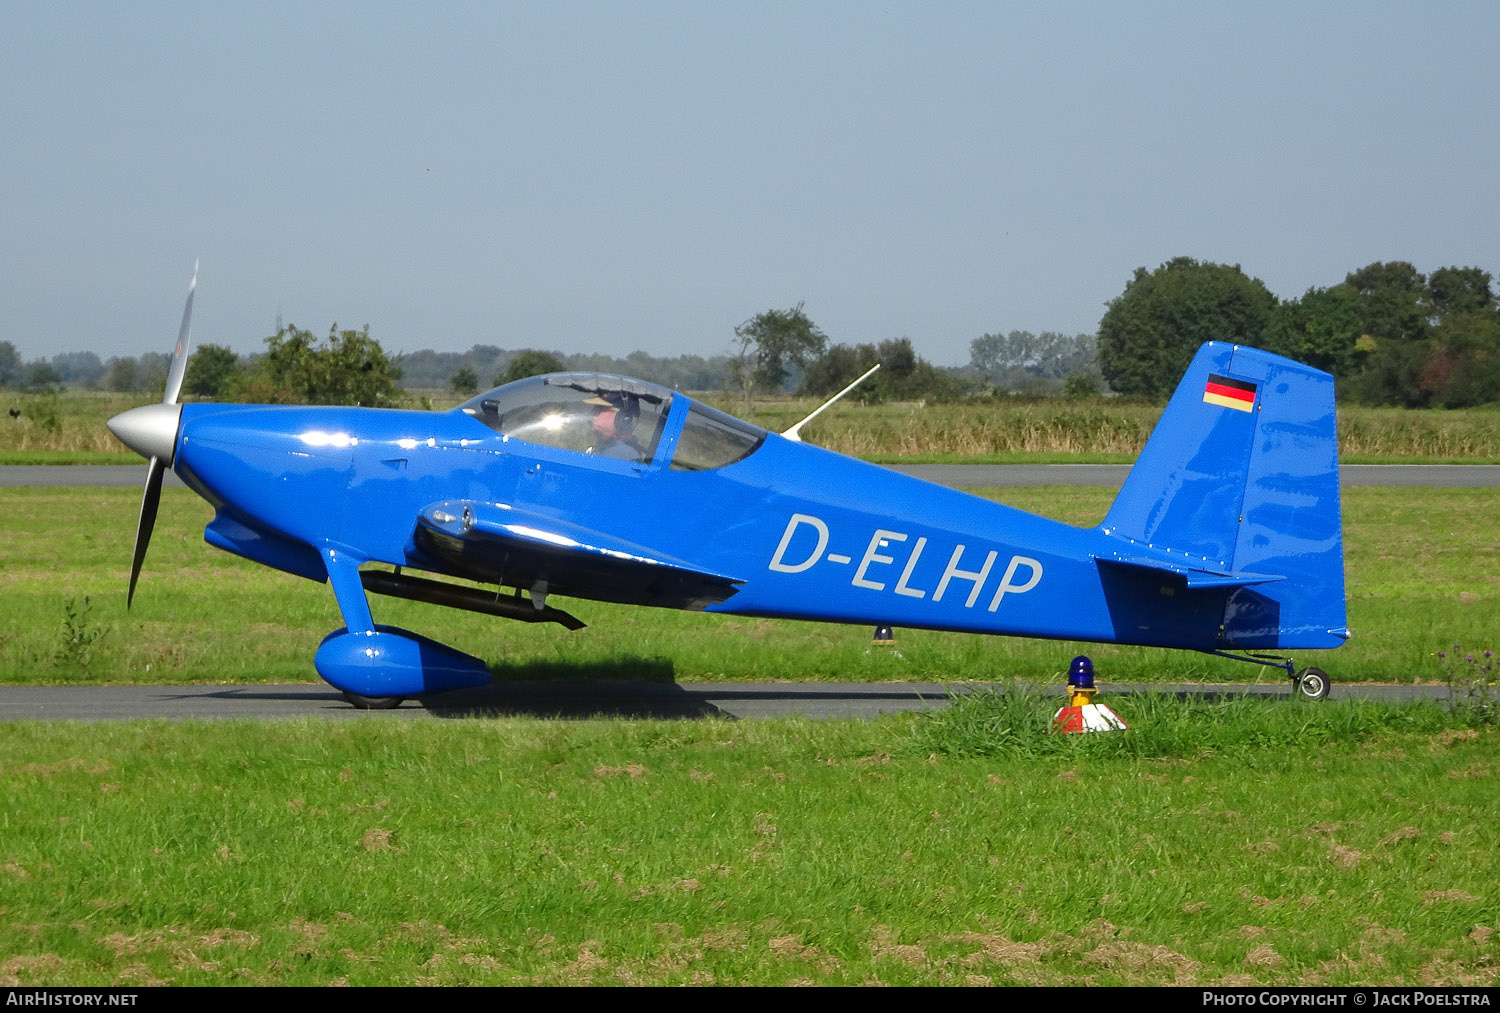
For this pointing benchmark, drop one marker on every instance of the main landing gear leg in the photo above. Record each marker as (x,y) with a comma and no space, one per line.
(343,577)
(375,667)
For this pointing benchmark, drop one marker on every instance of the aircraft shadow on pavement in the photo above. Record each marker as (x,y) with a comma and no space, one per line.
(652,701)
(629,687)
(571,701)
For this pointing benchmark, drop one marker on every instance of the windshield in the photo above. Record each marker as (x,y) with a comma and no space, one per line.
(711,439)
(590,413)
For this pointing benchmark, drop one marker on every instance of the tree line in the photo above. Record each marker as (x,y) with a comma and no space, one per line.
(1390,334)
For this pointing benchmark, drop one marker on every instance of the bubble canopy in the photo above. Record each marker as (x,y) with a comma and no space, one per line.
(613,416)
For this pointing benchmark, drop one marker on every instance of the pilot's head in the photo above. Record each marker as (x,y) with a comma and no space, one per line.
(615,413)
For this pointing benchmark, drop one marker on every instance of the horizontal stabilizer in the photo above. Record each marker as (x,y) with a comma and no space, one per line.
(497,544)
(1196,577)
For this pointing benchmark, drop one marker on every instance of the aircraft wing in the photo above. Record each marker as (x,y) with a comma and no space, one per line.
(1196,577)
(497,544)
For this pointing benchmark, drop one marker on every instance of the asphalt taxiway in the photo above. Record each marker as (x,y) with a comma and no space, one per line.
(585,699)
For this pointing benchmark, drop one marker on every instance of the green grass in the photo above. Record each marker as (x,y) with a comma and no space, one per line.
(1413,459)
(1421,571)
(386,851)
(1015,724)
(994,431)
(1228,842)
(67,457)
(58,457)
(1006,457)
(1099,430)
(1049,457)
(65,428)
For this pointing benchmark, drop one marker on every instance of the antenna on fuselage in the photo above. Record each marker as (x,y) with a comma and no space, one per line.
(795,433)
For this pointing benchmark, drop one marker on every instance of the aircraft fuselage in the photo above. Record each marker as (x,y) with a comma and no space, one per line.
(810,533)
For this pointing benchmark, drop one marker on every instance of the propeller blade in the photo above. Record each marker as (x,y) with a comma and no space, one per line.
(180,354)
(149,431)
(150,500)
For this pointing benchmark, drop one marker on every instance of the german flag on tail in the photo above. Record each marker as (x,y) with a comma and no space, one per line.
(1228,393)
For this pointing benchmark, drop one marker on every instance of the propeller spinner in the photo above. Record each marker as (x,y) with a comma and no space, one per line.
(151,431)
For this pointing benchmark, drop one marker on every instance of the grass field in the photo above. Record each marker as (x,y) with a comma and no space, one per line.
(1231,844)
(1421,571)
(1100,430)
(1003,430)
(1237,842)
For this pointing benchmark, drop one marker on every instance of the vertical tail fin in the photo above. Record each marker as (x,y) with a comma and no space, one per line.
(1241,477)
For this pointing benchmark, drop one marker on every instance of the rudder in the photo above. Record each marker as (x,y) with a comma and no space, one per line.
(1240,477)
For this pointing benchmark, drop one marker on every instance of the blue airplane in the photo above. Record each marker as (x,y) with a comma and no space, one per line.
(1225,539)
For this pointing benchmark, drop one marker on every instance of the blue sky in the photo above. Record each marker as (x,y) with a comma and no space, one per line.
(612,176)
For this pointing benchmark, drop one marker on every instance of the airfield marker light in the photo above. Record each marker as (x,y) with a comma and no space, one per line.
(1082,714)
(883,643)
(1081,674)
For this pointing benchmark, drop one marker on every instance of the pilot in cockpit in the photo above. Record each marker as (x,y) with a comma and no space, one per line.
(613,426)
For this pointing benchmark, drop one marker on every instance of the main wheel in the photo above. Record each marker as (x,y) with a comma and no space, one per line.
(1312,683)
(373,703)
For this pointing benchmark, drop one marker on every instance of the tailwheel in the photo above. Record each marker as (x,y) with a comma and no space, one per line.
(1311,683)
(373,703)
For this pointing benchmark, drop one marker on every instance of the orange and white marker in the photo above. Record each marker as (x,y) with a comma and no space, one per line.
(1082,714)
